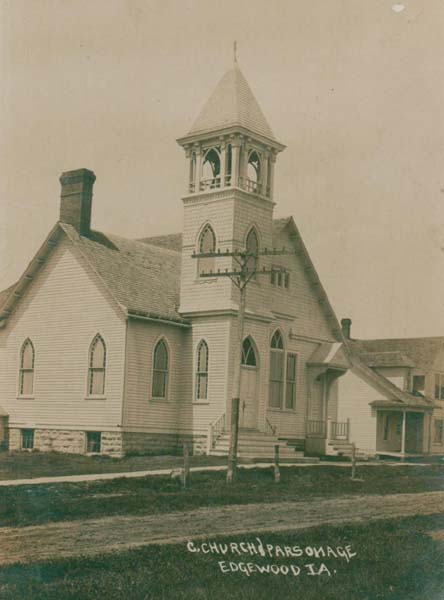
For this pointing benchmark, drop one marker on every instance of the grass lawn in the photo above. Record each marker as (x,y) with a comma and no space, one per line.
(28,465)
(395,560)
(36,504)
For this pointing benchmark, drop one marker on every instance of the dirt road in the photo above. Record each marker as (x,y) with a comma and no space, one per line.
(88,537)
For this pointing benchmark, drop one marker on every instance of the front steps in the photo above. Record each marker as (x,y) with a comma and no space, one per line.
(253,445)
(344,448)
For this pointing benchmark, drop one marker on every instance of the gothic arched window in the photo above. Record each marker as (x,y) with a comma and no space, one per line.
(27,357)
(97,366)
(202,371)
(252,246)
(207,243)
(248,353)
(276,370)
(160,371)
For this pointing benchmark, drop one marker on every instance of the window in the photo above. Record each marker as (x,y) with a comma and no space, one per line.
(438,432)
(386,427)
(207,243)
(252,246)
(418,384)
(202,371)
(27,439)
(276,370)
(93,442)
(160,371)
(254,172)
(211,169)
(290,387)
(27,356)
(439,387)
(280,277)
(97,365)
(248,353)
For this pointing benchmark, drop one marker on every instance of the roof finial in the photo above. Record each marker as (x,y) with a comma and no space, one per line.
(235,51)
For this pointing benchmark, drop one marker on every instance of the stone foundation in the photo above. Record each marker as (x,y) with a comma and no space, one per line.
(113,443)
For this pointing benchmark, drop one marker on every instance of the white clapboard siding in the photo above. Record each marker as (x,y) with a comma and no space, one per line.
(62,311)
(355,394)
(196,415)
(141,412)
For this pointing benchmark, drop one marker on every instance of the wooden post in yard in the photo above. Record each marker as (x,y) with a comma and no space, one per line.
(353,461)
(277,473)
(186,465)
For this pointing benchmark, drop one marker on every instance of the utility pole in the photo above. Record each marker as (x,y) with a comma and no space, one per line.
(244,271)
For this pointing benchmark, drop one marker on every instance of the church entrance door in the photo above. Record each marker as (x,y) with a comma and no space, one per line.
(248,397)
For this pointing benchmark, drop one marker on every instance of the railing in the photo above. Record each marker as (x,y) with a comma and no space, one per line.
(316,428)
(253,186)
(339,431)
(209,184)
(269,427)
(215,430)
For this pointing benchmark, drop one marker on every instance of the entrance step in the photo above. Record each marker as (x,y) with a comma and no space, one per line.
(255,445)
(343,448)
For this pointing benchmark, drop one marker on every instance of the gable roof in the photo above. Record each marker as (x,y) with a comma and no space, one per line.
(232,104)
(417,352)
(143,279)
(143,276)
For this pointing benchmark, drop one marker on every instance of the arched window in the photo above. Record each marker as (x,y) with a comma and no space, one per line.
(211,169)
(160,371)
(276,370)
(207,243)
(202,371)
(252,246)
(27,357)
(97,367)
(254,172)
(248,353)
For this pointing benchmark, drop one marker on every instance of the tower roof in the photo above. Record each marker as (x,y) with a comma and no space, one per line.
(232,104)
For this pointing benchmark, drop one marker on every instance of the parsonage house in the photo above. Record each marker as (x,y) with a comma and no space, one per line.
(112,345)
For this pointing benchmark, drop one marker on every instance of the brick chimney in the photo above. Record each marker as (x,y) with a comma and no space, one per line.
(76,199)
(346,328)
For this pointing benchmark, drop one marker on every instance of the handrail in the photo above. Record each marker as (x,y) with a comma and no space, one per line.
(316,428)
(339,430)
(270,427)
(215,430)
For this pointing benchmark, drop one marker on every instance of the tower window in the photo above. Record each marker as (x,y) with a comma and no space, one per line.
(211,170)
(252,246)
(254,173)
(207,244)
(248,353)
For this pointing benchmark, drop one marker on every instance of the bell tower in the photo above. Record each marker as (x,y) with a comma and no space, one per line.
(231,153)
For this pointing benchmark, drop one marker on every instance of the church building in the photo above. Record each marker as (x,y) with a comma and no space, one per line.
(112,345)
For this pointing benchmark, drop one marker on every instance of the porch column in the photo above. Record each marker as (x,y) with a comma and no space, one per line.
(403,433)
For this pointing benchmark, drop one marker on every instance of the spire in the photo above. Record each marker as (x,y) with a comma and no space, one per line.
(232,104)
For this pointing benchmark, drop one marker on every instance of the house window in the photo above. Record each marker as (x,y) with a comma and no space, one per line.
(252,245)
(160,371)
(207,244)
(438,432)
(386,427)
(290,384)
(418,384)
(27,357)
(27,439)
(248,353)
(439,387)
(97,366)
(202,371)
(93,442)
(276,370)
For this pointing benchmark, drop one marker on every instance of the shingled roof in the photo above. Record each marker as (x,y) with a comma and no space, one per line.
(232,104)
(413,352)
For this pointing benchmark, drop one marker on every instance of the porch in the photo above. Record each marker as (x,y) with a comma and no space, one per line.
(324,437)
(401,433)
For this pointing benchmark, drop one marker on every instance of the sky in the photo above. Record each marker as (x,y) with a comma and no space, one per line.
(353,88)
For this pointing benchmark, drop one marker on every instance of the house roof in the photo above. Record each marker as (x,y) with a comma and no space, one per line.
(232,104)
(419,352)
(143,276)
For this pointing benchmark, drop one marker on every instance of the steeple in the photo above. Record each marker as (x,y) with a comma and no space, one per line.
(231,143)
